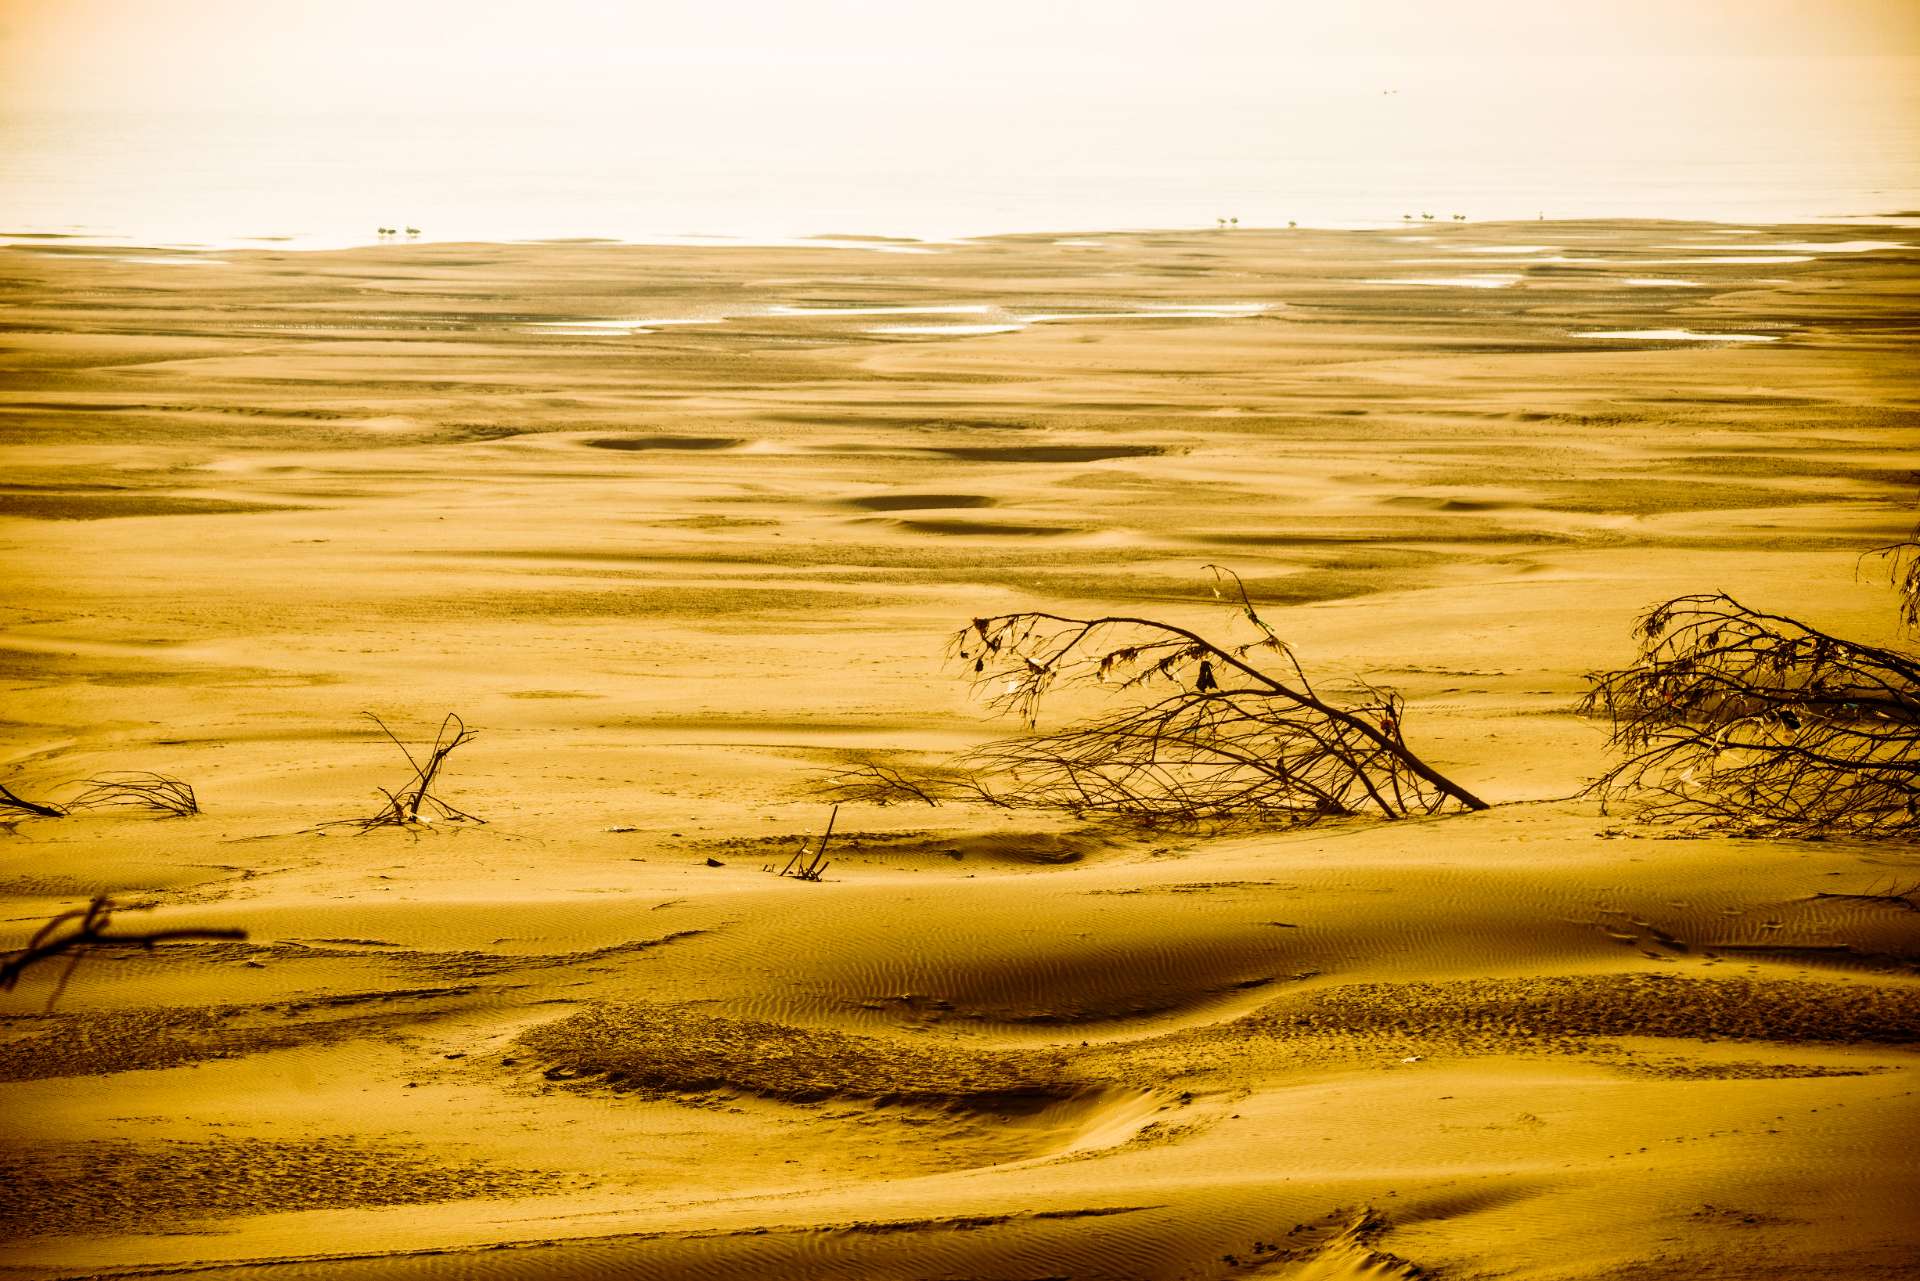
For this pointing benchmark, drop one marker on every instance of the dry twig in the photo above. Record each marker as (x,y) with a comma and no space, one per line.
(415,804)
(810,865)
(85,929)
(1736,719)
(1903,568)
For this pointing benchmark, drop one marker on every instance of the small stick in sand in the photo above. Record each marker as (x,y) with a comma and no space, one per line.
(810,865)
(416,805)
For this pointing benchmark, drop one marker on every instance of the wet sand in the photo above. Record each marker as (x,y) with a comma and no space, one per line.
(673,572)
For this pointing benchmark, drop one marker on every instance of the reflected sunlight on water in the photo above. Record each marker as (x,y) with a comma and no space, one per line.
(1763,141)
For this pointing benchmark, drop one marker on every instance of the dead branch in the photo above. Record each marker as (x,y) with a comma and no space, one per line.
(12,804)
(1229,740)
(811,864)
(416,805)
(1902,560)
(1733,719)
(85,929)
(159,792)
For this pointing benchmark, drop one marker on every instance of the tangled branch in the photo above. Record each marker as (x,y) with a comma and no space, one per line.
(144,789)
(416,804)
(1227,740)
(876,782)
(85,929)
(1736,719)
(1902,560)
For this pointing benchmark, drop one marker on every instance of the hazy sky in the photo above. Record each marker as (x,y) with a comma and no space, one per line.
(470,54)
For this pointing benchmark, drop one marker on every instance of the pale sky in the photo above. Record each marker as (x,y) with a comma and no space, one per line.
(463,55)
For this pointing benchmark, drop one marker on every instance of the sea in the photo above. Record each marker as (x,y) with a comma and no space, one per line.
(1813,143)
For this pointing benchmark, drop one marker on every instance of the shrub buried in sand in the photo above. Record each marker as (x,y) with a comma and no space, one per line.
(1233,741)
(1902,560)
(161,793)
(1734,719)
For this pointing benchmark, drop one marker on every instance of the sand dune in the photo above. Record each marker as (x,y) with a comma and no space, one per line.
(673,573)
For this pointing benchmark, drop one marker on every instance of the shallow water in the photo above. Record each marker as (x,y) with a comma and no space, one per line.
(1724,260)
(1807,246)
(1673,335)
(768,160)
(944,329)
(625,325)
(1486,281)
(972,309)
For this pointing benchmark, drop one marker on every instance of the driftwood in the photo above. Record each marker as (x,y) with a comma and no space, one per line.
(416,804)
(19,805)
(1734,719)
(75,933)
(1226,740)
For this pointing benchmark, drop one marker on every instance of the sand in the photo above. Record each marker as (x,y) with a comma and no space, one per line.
(673,572)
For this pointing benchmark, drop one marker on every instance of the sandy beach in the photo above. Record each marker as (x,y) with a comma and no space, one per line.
(678,530)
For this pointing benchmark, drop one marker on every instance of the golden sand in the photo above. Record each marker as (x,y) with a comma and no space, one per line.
(672,572)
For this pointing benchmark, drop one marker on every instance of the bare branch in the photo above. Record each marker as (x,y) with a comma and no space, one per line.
(1229,739)
(12,804)
(416,805)
(143,789)
(1902,560)
(811,864)
(1739,720)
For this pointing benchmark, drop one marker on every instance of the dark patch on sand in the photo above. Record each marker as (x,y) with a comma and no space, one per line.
(1046,453)
(117,1185)
(918,502)
(1784,1010)
(985,529)
(107,504)
(1042,848)
(667,1049)
(38,1047)
(638,444)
